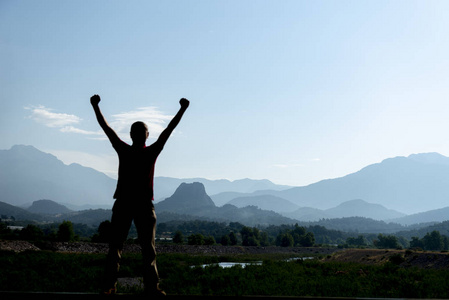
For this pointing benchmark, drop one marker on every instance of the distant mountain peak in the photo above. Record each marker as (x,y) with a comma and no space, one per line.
(430,158)
(48,207)
(362,208)
(23,147)
(27,174)
(187,197)
(190,189)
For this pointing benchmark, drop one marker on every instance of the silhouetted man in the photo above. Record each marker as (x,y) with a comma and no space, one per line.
(134,195)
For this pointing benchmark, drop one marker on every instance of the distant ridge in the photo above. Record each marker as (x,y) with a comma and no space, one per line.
(27,174)
(267,202)
(414,184)
(7,211)
(48,207)
(347,209)
(191,199)
(166,186)
(362,208)
(411,184)
(435,215)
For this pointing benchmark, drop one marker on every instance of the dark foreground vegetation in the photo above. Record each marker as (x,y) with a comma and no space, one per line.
(46,269)
(182,274)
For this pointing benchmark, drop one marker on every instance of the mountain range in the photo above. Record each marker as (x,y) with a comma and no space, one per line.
(191,202)
(28,174)
(417,184)
(413,184)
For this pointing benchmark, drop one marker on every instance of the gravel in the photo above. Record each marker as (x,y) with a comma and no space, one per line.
(84,247)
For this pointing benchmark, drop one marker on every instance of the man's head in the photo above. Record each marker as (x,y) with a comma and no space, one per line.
(139,132)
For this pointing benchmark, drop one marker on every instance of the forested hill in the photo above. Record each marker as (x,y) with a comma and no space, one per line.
(191,199)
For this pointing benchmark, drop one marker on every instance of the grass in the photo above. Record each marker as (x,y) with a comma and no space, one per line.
(182,275)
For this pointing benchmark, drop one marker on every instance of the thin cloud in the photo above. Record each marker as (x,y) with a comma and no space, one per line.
(281,166)
(64,122)
(150,115)
(121,122)
(45,116)
(72,129)
(284,166)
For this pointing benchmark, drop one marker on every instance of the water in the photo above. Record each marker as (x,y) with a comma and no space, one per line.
(232,264)
(252,263)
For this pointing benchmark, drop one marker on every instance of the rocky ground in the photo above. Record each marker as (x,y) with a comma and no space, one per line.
(404,258)
(81,247)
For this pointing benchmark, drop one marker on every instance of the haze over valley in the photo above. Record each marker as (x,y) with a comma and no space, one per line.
(405,190)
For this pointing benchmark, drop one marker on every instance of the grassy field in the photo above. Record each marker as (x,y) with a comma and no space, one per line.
(183,275)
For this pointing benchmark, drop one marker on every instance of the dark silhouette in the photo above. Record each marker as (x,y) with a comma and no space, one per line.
(134,195)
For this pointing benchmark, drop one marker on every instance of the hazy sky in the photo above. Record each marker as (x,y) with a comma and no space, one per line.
(290,91)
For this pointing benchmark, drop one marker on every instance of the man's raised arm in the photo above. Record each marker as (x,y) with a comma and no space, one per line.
(95,100)
(173,123)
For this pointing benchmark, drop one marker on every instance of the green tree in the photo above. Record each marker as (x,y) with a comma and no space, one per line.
(445,242)
(386,242)
(178,238)
(233,239)
(308,240)
(285,240)
(225,240)
(31,233)
(66,232)
(250,236)
(416,243)
(104,232)
(299,230)
(195,239)
(433,241)
(209,240)
(358,241)
(264,239)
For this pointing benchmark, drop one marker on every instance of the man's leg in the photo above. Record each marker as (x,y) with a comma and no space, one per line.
(120,223)
(145,222)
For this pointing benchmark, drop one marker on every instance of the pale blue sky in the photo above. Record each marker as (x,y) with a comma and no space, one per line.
(290,91)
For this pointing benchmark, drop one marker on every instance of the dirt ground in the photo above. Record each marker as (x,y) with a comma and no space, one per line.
(404,258)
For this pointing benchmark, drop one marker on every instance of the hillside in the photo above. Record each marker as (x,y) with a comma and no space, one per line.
(416,185)
(191,199)
(411,184)
(435,215)
(362,208)
(352,208)
(48,207)
(27,174)
(266,202)
(166,186)
(7,211)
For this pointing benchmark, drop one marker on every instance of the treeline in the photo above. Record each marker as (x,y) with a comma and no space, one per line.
(251,236)
(433,241)
(63,232)
(230,234)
